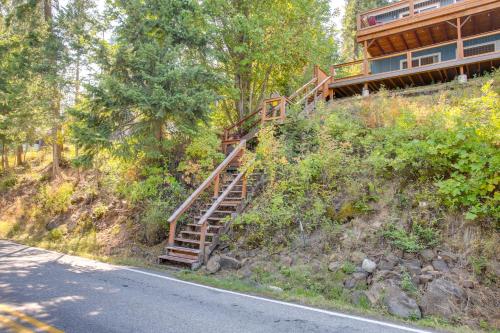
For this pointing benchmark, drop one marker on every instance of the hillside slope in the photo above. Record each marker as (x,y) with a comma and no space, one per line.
(388,205)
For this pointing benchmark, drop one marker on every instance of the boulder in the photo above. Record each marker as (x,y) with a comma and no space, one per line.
(334,266)
(276,289)
(227,262)
(287,261)
(448,256)
(357,279)
(443,298)
(468,284)
(357,257)
(400,305)
(386,265)
(425,278)
(427,255)
(368,265)
(413,266)
(213,264)
(440,265)
(359,297)
(427,268)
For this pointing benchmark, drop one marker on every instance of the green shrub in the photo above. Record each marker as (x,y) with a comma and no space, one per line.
(419,238)
(348,267)
(6,182)
(56,199)
(407,283)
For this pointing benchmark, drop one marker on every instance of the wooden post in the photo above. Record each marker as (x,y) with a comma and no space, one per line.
(409,61)
(216,185)
(244,187)
(171,233)
(365,60)
(203,235)
(283,108)
(460,42)
(332,73)
(412,8)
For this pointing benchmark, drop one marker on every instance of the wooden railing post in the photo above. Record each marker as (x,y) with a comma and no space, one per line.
(244,187)
(283,108)
(203,235)
(171,233)
(409,61)
(216,185)
(460,42)
(412,7)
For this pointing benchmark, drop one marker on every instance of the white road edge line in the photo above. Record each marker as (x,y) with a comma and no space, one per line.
(331,313)
(293,305)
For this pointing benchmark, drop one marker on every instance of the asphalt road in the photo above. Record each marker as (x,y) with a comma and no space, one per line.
(73,294)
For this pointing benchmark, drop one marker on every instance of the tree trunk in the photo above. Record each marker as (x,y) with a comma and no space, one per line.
(19,155)
(56,128)
(5,158)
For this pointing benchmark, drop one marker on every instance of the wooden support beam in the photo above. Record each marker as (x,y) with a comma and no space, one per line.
(429,31)
(411,80)
(460,42)
(365,59)
(404,41)
(380,47)
(390,44)
(418,39)
(431,77)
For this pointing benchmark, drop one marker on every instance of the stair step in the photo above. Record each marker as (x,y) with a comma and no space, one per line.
(183,249)
(228,204)
(168,257)
(209,226)
(196,233)
(212,218)
(219,211)
(192,241)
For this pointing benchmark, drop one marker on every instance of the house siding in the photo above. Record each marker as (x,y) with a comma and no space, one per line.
(448,52)
(481,40)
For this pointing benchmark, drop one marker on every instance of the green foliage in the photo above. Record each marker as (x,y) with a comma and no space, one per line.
(154,88)
(201,157)
(479,265)
(6,182)
(407,283)
(419,238)
(253,49)
(55,199)
(348,267)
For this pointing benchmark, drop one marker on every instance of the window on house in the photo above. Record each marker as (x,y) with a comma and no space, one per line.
(422,61)
(481,49)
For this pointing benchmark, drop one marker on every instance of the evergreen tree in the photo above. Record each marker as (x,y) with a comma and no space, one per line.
(153,85)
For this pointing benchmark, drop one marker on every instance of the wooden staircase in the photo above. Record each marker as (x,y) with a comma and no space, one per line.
(191,243)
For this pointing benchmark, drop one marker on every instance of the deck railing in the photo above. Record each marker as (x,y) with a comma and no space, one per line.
(359,68)
(400,10)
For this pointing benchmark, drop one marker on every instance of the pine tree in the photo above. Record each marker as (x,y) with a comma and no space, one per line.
(153,85)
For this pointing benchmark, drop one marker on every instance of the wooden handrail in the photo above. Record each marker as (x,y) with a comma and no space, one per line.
(314,90)
(238,124)
(292,96)
(221,198)
(189,201)
(345,64)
